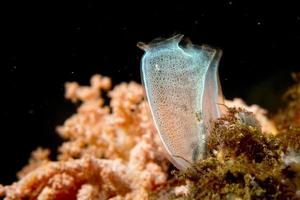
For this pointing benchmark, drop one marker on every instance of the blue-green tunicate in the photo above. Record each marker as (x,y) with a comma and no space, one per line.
(183,91)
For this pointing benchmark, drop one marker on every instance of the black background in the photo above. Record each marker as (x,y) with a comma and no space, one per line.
(72,42)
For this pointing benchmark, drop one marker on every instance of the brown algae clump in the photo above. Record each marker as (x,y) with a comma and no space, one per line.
(288,118)
(244,163)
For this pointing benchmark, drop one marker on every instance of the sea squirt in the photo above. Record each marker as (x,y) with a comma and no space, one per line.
(183,91)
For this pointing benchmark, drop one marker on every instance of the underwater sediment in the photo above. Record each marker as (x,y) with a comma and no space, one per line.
(114,152)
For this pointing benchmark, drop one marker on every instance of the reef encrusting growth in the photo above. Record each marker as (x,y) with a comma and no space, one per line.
(288,118)
(110,151)
(246,163)
(114,152)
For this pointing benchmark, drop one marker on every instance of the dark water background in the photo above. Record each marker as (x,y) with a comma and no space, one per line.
(71,42)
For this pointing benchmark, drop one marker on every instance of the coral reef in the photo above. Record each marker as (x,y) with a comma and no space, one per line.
(112,151)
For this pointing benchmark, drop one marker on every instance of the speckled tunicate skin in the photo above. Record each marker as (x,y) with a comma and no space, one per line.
(182,89)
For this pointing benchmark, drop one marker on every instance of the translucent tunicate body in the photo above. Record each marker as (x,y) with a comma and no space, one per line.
(183,91)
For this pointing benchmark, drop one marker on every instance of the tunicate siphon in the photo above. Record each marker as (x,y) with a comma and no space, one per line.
(182,87)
